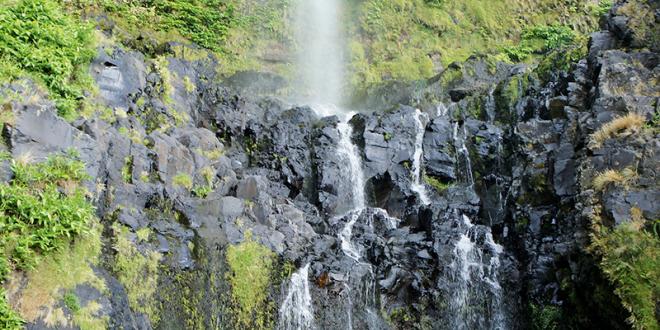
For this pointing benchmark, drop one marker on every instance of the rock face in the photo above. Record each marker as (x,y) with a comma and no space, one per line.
(506,161)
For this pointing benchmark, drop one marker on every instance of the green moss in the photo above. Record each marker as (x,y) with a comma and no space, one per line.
(137,272)
(251,265)
(39,40)
(641,22)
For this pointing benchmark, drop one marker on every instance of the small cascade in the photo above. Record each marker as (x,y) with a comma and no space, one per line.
(350,157)
(347,233)
(462,152)
(296,312)
(474,279)
(491,107)
(417,186)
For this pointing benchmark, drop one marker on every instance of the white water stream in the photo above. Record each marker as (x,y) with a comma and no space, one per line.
(296,312)
(417,186)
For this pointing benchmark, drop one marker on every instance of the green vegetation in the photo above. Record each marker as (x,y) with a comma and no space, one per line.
(55,278)
(438,185)
(36,216)
(41,209)
(9,319)
(127,169)
(261,30)
(545,317)
(37,39)
(413,39)
(138,272)
(251,266)
(71,301)
(202,191)
(541,39)
(205,22)
(630,259)
(183,180)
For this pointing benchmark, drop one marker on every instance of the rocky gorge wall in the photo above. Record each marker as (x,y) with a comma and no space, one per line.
(209,199)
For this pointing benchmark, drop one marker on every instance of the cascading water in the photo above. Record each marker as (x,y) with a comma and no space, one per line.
(462,152)
(296,312)
(417,186)
(476,298)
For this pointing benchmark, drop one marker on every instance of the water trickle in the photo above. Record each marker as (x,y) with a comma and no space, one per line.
(474,279)
(346,235)
(462,152)
(296,312)
(417,186)
(491,107)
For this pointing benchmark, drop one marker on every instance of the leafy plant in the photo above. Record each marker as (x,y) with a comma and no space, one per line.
(9,319)
(205,22)
(41,209)
(541,39)
(39,40)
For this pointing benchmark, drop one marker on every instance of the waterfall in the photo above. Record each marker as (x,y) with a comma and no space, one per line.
(348,153)
(461,150)
(296,311)
(417,186)
(475,301)
(320,59)
(491,107)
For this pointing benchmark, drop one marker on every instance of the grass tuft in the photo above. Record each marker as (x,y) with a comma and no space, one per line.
(612,177)
(626,125)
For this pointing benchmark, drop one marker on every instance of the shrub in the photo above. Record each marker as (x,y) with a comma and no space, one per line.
(38,39)
(629,259)
(251,265)
(628,124)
